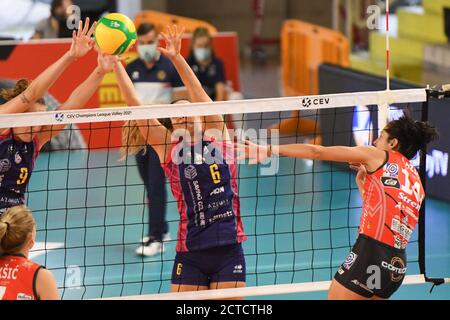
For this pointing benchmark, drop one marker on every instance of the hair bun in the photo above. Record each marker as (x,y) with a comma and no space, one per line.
(11,93)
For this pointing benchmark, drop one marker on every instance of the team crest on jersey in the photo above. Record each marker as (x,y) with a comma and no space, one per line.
(5,165)
(190,172)
(162,75)
(11,149)
(391,170)
(350,260)
(135,75)
(17,158)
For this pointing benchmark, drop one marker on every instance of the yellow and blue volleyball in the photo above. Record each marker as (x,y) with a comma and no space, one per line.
(115,34)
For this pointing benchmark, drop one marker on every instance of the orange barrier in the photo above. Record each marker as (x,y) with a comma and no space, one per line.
(304,47)
(162,20)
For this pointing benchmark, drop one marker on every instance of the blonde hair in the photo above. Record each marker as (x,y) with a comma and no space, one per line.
(15,226)
(132,139)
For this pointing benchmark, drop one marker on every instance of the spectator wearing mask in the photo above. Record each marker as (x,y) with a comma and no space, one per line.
(206,66)
(54,26)
(156,81)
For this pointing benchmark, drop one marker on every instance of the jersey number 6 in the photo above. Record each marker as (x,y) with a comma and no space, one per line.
(215,173)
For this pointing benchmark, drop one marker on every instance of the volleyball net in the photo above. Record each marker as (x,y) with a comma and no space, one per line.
(301,217)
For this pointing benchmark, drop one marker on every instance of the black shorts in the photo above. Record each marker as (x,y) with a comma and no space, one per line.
(200,268)
(372,269)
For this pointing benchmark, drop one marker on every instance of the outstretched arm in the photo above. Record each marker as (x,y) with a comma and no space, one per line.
(371,157)
(81,44)
(152,130)
(190,80)
(81,95)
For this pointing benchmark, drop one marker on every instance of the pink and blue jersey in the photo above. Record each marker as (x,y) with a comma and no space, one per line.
(203,182)
(16,164)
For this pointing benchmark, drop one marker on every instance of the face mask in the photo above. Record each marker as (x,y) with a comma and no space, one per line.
(148,52)
(202,54)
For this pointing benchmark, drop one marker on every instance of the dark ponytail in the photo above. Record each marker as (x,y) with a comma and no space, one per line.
(412,135)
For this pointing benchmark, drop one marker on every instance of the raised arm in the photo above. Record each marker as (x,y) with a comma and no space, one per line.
(190,80)
(81,95)
(152,130)
(81,44)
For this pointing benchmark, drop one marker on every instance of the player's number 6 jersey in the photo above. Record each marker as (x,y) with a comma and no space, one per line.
(206,194)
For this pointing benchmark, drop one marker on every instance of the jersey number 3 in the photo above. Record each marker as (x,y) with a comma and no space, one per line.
(215,173)
(23,176)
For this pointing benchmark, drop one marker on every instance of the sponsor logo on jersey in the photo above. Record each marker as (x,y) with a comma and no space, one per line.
(190,172)
(23,296)
(218,204)
(405,220)
(238,268)
(217,191)
(390,182)
(350,260)
(392,170)
(11,149)
(17,158)
(396,267)
(408,201)
(401,206)
(399,243)
(359,284)
(341,271)
(5,165)
(221,216)
(401,229)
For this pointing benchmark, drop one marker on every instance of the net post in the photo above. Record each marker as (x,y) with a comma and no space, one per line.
(436,92)
(422,173)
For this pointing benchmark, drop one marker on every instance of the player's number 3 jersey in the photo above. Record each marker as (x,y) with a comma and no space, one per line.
(391,203)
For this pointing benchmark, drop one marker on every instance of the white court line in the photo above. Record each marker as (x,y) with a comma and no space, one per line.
(41,248)
(252,291)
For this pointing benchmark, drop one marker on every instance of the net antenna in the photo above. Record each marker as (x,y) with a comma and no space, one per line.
(383,108)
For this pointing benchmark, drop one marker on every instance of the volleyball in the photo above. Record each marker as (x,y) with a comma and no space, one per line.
(115,34)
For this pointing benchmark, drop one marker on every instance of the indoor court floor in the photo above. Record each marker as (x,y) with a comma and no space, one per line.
(300,225)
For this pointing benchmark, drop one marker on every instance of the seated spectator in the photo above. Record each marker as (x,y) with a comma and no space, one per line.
(54,26)
(207,67)
(20,278)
